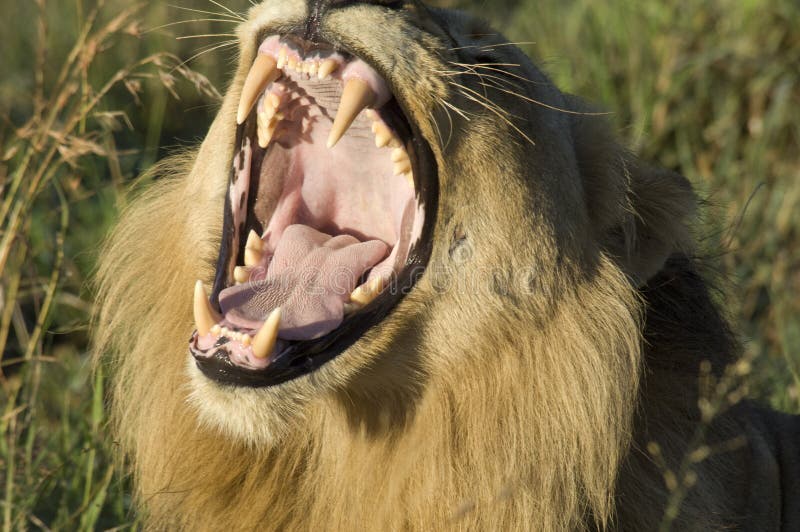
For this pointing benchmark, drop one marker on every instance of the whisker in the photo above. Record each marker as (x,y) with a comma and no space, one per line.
(552,107)
(484,100)
(204,35)
(212,13)
(499,112)
(490,46)
(513,65)
(208,49)
(499,81)
(500,45)
(511,74)
(162,26)
(229,10)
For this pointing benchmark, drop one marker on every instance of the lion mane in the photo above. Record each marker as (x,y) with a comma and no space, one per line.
(541,375)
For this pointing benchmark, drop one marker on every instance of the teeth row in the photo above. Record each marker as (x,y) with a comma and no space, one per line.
(242,338)
(267,69)
(207,321)
(356,96)
(385,137)
(319,68)
(268,118)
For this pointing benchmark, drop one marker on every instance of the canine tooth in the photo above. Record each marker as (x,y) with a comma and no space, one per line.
(265,338)
(254,241)
(327,67)
(282,57)
(402,167)
(263,72)
(398,154)
(241,274)
(364,294)
(356,96)
(204,316)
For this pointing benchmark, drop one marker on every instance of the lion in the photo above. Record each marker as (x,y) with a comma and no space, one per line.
(424,290)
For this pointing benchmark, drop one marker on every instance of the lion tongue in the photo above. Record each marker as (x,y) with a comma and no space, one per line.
(310,277)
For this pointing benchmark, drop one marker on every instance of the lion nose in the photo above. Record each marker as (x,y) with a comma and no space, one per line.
(318,8)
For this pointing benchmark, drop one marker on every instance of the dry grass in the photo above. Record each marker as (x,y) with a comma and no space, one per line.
(63,155)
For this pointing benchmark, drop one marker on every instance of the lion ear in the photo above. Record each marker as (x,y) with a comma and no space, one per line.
(660,205)
(639,213)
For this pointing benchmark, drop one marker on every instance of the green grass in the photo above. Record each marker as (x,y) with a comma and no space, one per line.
(707,87)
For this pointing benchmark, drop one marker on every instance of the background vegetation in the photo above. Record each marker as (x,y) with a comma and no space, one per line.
(95,91)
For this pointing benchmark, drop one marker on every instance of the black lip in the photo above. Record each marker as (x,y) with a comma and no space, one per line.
(303,357)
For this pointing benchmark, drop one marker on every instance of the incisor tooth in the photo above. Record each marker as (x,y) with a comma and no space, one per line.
(356,96)
(204,316)
(313,68)
(327,67)
(364,294)
(241,274)
(410,178)
(265,338)
(263,72)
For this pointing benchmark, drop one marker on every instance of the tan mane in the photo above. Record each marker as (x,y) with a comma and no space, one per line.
(509,406)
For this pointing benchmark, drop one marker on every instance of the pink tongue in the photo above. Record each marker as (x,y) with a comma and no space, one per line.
(310,277)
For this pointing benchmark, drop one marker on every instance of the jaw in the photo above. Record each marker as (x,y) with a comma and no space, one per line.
(328,220)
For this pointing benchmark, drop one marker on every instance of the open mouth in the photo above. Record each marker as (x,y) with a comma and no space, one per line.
(327,218)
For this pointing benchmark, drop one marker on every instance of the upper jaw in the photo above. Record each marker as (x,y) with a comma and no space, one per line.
(220,350)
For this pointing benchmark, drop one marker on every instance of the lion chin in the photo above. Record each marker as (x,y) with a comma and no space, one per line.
(423,289)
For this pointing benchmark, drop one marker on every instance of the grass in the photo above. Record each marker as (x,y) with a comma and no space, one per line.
(93,93)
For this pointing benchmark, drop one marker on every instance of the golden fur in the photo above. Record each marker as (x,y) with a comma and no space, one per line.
(502,393)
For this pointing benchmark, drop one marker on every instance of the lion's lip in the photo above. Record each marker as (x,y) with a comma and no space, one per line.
(227,342)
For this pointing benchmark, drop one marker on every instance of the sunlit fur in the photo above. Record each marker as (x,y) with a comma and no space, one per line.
(502,393)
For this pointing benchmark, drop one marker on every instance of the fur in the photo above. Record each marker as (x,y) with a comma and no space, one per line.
(557,331)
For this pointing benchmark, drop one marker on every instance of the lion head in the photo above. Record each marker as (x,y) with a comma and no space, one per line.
(418,302)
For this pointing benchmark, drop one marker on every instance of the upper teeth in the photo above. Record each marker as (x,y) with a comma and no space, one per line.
(359,93)
(263,72)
